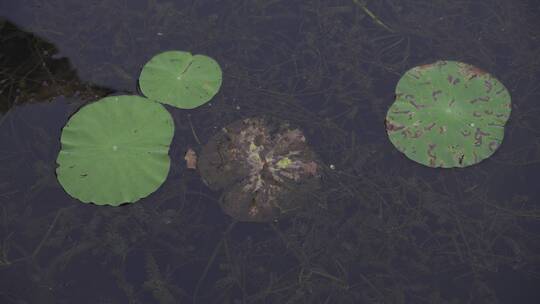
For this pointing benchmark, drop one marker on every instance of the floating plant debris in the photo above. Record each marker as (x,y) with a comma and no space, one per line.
(115,150)
(191,159)
(264,167)
(448,114)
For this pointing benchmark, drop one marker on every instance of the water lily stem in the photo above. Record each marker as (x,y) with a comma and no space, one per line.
(372,15)
(211,260)
(193,130)
(47,234)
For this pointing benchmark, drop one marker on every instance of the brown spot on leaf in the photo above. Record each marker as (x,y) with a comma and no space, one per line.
(410,98)
(453,80)
(478,135)
(488,86)
(493,146)
(392,127)
(401,112)
(435,94)
(418,106)
(432,156)
(460,159)
(417,134)
(442,129)
(425,66)
(430,126)
(407,133)
(471,71)
(483,98)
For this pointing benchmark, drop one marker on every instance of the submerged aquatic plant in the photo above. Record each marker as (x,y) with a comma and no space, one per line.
(115,150)
(180,79)
(265,168)
(448,114)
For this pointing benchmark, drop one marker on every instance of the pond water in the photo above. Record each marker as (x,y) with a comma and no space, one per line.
(380,228)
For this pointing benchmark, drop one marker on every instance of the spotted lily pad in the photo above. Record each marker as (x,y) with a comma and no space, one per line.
(115,150)
(180,79)
(265,169)
(448,114)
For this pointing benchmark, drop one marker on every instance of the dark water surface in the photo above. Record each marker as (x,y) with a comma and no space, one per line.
(383,229)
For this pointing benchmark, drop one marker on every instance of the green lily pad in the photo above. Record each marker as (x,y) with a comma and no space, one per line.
(180,79)
(448,114)
(115,150)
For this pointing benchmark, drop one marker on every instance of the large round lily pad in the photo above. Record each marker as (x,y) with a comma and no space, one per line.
(115,150)
(265,169)
(180,79)
(448,114)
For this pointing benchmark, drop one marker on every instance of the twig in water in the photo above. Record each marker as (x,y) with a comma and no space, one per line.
(372,16)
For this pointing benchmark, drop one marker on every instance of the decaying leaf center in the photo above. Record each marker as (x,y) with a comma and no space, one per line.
(262,166)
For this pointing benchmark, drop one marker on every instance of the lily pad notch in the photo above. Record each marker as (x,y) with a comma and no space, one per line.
(180,79)
(115,150)
(448,114)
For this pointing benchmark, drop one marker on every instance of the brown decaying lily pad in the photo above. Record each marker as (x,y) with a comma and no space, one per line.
(264,167)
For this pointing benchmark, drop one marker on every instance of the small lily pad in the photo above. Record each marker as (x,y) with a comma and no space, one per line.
(448,114)
(115,150)
(180,79)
